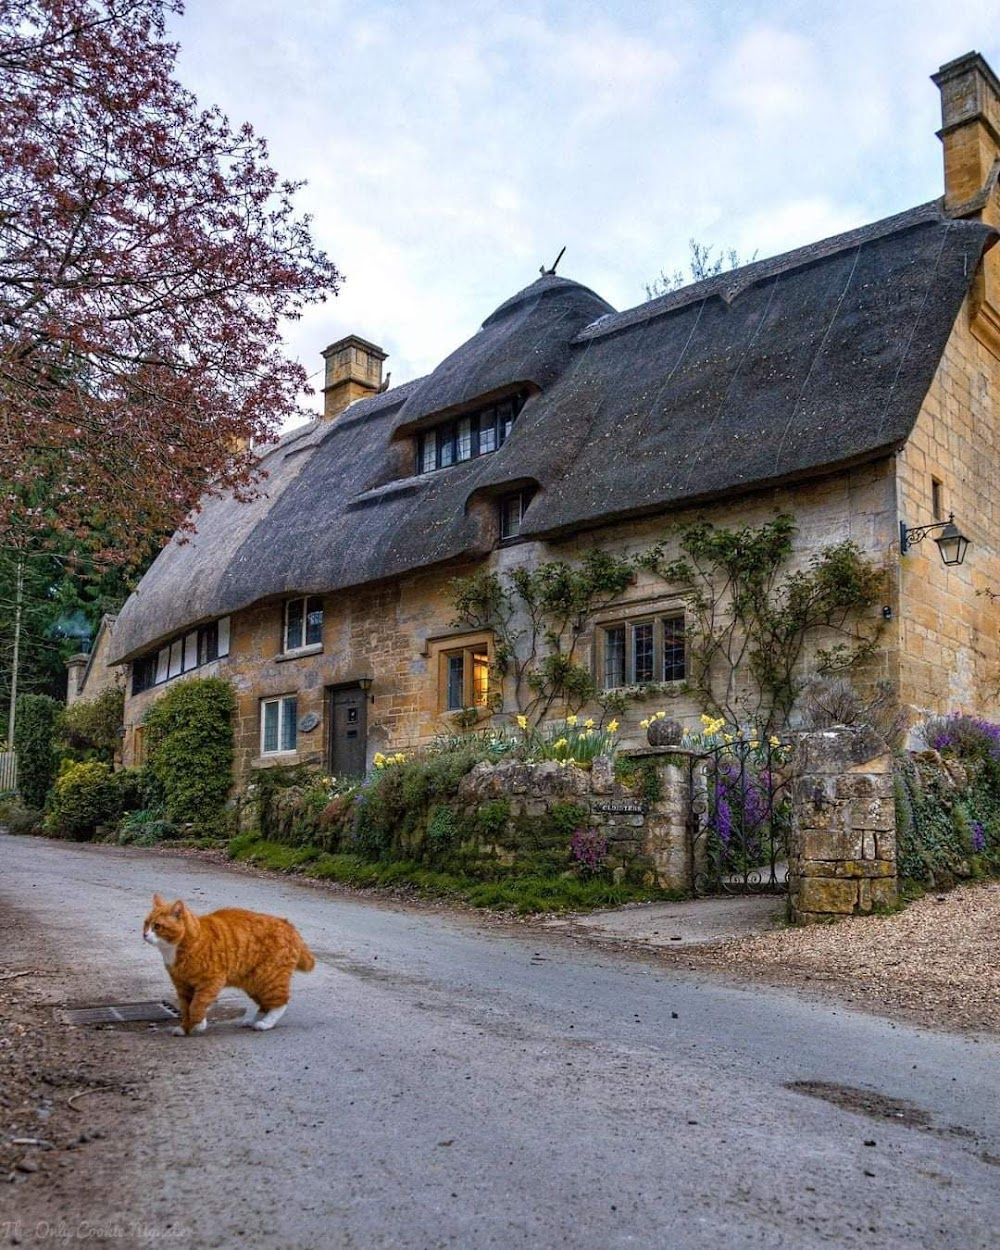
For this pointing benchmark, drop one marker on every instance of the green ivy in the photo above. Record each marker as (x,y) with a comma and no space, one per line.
(190,751)
(749,619)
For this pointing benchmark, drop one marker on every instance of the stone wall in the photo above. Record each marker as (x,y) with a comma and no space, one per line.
(842,857)
(645,836)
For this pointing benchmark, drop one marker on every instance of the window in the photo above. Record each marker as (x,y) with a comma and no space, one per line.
(303,623)
(636,653)
(181,655)
(937,500)
(465,677)
(278,725)
(476,434)
(511,510)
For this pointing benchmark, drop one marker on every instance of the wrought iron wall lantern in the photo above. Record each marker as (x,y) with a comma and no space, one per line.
(951,542)
(365,683)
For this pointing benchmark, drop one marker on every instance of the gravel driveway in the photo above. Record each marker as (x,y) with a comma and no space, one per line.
(936,963)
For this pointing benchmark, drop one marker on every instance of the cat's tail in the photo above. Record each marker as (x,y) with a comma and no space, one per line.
(307,960)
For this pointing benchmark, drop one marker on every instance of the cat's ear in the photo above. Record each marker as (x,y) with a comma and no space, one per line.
(159,902)
(178,909)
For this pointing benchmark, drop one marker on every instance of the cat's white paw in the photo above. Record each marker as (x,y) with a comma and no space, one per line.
(269,1019)
(200,1027)
(249,1017)
(177,1031)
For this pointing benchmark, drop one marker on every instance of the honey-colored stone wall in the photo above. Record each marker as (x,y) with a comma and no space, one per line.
(395,633)
(949,626)
(842,856)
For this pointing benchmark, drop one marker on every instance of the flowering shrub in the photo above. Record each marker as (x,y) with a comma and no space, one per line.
(964,736)
(589,850)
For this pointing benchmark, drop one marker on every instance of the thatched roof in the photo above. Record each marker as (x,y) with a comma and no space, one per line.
(784,369)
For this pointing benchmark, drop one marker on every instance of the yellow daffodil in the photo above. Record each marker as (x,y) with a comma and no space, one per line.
(754,744)
(727,737)
(706,720)
(589,723)
(774,741)
(660,716)
(560,745)
(644,724)
(378,759)
(612,726)
(522,722)
(570,720)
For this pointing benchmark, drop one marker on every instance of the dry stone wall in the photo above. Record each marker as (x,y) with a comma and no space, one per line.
(842,857)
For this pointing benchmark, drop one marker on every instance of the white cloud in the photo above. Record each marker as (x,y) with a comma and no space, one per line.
(453,149)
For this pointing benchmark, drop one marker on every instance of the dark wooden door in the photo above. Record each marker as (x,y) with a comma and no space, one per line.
(348,731)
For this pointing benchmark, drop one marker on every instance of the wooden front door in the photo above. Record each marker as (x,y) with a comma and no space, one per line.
(347,741)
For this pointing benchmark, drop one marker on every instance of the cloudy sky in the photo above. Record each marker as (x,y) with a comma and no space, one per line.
(452,147)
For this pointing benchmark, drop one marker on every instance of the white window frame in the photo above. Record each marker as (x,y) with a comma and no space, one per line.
(287,710)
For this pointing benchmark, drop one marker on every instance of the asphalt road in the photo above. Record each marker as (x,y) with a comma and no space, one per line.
(442,1082)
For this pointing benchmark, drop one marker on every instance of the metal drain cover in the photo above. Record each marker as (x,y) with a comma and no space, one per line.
(122,1013)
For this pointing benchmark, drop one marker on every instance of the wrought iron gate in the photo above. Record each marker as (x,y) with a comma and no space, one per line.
(740,812)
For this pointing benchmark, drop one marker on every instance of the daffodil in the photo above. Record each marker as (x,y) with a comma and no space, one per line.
(706,720)
(589,723)
(660,716)
(570,720)
(774,741)
(560,745)
(644,724)
(522,722)
(612,726)
(379,759)
(727,737)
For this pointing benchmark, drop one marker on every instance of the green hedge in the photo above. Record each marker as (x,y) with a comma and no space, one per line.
(34,735)
(190,751)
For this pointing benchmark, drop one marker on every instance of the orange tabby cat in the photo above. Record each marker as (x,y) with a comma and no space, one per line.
(246,949)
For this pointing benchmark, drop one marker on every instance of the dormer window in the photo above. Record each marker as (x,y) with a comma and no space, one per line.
(511,511)
(469,436)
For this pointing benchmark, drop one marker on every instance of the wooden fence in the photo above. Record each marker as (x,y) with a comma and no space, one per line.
(8,771)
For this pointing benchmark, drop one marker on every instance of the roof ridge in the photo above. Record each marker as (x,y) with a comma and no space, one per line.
(733,282)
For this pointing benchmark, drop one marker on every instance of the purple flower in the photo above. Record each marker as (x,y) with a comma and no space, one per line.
(978,836)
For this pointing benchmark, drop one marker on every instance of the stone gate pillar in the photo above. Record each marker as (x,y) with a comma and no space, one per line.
(842,853)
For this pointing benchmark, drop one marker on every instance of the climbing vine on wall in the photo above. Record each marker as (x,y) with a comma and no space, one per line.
(537,617)
(749,619)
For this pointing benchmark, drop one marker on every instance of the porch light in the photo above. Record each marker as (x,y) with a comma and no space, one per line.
(365,684)
(951,542)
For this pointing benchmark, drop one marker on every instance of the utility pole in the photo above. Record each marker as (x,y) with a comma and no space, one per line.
(18,607)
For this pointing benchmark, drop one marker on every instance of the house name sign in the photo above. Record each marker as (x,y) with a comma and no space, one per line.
(619,807)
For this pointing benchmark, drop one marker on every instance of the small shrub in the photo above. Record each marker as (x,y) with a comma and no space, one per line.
(19,819)
(145,828)
(91,728)
(83,797)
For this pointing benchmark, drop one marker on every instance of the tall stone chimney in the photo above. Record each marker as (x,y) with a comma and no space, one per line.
(970,133)
(353,371)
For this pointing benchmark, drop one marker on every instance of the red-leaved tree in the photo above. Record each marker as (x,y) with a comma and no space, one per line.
(147,256)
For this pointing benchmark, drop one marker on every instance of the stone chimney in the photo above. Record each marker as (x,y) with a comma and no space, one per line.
(353,371)
(76,667)
(970,133)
